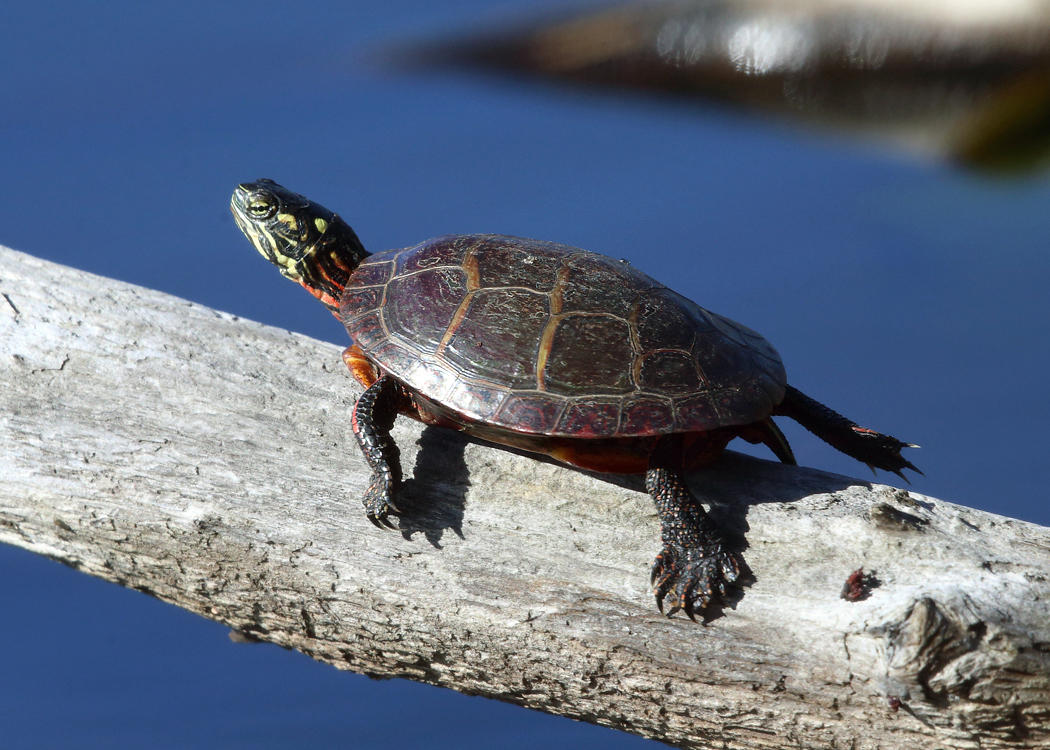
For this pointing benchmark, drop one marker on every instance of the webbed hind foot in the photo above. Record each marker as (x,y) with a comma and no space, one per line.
(873,448)
(879,451)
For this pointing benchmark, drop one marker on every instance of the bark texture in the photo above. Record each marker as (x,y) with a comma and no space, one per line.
(209,461)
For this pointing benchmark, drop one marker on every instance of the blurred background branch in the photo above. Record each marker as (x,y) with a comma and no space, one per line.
(967,82)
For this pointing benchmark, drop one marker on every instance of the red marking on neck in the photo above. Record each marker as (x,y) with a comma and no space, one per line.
(326,299)
(327,278)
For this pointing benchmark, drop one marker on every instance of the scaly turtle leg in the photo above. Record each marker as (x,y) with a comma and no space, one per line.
(373,417)
(871,447)
(694,568)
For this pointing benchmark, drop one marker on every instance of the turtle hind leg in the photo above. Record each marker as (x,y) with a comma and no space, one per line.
(694,568)
(870,447)
(373,417)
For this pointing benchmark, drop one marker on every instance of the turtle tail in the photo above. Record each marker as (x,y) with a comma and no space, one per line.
(870,447)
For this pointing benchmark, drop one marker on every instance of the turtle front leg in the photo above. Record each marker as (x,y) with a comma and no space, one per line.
(694,568)
(373,417)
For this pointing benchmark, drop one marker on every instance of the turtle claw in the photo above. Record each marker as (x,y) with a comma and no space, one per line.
(661,578)
(381,521)
(693,578)
(879,451)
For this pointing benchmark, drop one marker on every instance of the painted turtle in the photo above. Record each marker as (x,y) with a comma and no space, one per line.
(554,350)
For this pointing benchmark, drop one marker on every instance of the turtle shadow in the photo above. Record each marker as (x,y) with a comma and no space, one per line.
(433,500)
(728,488)
(717,488)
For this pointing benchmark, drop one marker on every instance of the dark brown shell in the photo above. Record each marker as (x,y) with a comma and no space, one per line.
(544,338)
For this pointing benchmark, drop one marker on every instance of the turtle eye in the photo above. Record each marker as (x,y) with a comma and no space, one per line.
(261,206)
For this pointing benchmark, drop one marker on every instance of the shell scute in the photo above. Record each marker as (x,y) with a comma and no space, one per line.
(536,411)
(590,418)
(517,264)
(669,371)
(393,357)
(497,337)
(473,398)
(368,330)
(601,286)
(420,306)
(719,360)
(589,349)
(646,415)
(696,409)
(436,381)
(664,322)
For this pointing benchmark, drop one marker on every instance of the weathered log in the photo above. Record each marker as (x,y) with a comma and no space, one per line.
(208,461)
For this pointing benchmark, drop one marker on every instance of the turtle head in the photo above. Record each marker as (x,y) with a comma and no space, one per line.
(308,243)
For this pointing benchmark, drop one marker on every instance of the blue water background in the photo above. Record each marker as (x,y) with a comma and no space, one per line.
(908,294)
